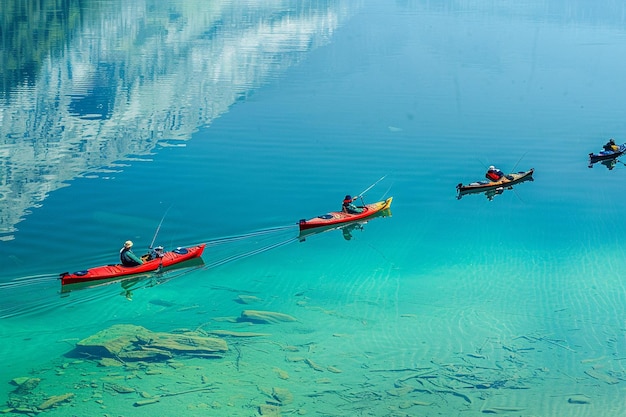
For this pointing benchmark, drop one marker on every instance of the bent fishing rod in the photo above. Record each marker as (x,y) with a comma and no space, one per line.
(518,161)
(159,227)
(360,195)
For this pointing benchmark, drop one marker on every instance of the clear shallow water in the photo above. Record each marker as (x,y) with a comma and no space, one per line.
(239,120)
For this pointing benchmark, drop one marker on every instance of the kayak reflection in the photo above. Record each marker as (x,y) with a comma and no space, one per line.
(608,163)
(134,282)
(346,229)
(608,156)
(505,181)
(491,193)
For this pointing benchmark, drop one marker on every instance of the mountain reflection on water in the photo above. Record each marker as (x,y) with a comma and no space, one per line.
(95,83)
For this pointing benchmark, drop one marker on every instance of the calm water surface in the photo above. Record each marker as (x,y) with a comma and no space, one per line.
(230,121)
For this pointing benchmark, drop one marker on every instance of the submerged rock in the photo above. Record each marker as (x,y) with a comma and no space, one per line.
(114,340)
(25,384)
(55,401)
(248,299)
(282,395)
(188,342)
(265,316)
(135,343)
(269,410)
(236,334)
(110,362)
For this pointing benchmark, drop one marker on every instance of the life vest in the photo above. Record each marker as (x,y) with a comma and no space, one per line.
(126,259)
(493,176)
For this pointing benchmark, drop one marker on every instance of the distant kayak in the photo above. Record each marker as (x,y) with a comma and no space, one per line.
(170,258)
(600,156)
(334,218)
(485,185)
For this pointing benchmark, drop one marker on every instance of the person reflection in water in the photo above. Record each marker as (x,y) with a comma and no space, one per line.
(494,192)
(347,231)
(609,163)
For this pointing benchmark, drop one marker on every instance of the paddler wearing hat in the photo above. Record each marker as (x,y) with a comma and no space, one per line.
(127,257)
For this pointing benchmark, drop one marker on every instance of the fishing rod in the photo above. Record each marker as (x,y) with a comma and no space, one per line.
(482,163)
(386,192)
(518,161)
(370,187)
(159,227)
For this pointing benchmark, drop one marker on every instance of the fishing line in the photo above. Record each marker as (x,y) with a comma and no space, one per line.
(249,253)
(159,227)
(371,186)
(517,195)
(244,236)
(33,280)
(33,277)
(28,281)
(518,161)
(31,307)
(384,196)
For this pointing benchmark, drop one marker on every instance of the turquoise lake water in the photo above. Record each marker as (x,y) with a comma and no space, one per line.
(227,122)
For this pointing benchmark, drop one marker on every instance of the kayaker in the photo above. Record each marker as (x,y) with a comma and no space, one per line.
(611,146)
(348,205)
(127,257)
(494,174)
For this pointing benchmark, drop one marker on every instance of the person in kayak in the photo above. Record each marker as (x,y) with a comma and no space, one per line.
(610,146)
(127,257)
(494,174)
(349,207)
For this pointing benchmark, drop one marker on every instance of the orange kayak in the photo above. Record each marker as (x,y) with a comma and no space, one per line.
(338,217)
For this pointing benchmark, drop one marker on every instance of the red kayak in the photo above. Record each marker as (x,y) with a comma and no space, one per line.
(174,257)
(338,217)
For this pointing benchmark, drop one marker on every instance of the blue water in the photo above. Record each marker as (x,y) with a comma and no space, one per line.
(227,122)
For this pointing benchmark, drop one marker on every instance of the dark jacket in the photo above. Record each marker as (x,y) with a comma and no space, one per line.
(349,207)
(128,258)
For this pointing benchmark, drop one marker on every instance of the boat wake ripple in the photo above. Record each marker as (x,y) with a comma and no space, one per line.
(249,253)
(255,234)
(39,294)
